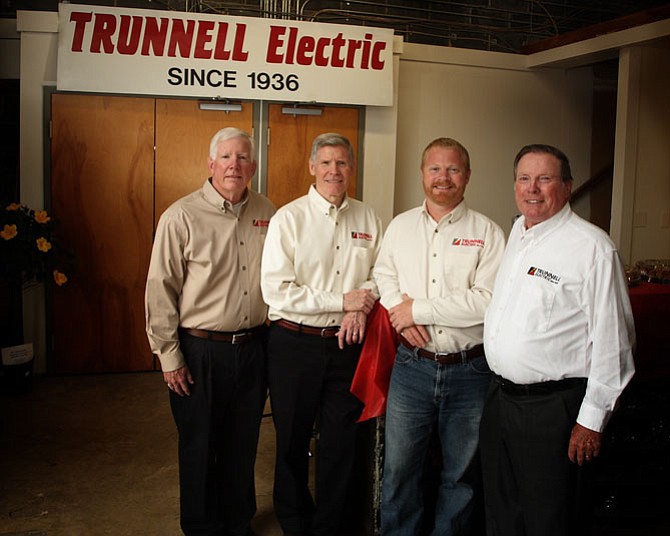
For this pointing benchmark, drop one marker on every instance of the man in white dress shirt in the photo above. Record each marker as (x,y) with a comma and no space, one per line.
(435,274)
(558,335)
(316,277)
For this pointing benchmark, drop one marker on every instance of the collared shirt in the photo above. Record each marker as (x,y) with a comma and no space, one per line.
(205,269)
(315,253)
(561,309)
(446,267)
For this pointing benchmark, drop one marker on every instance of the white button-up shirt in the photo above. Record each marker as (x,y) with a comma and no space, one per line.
(560,310)
(447,267)
(315,253)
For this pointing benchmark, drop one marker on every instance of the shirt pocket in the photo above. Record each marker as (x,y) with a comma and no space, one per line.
(363,256)
(534,307)
(459,270)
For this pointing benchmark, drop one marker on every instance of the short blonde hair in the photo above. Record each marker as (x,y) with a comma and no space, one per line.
(448,143)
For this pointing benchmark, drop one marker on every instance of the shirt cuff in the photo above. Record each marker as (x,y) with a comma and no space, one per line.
(593,418)
(422,313)
(333,302)
(171,360)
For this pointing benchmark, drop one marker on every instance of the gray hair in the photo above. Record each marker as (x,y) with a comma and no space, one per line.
(229,133)
(331,139)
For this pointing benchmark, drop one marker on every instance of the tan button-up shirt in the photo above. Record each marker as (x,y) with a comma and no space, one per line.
(205,269)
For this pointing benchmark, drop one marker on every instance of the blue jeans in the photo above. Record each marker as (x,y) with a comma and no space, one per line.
(424,396)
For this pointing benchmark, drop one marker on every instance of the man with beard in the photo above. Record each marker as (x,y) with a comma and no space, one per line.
(435,274)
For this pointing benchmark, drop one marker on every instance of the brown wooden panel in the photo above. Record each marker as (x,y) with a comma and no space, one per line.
(183,133)
(101,188)
(290,142)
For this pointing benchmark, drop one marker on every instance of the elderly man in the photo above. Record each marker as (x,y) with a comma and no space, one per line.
(205,320)
(316,278)
(435,274)
(558,335)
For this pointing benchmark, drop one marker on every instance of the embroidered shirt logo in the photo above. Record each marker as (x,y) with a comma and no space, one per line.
(468,242)
(544,274)
(261,223)
(361,235)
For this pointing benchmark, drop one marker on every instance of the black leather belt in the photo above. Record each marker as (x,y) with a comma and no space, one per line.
(326,333)
(451,358)
(541,388)
(232,337)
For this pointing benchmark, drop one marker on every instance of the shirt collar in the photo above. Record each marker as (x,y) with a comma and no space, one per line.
(322,204)
(216,199)
(456,214)
(542,229)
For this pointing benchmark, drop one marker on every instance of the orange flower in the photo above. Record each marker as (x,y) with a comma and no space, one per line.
(43,244)
(9,232)
(41,216)
(60,278)
(28,248)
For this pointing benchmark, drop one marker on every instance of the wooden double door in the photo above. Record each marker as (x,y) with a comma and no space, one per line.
(116,164)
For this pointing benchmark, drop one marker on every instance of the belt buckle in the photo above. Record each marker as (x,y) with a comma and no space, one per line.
(324,332)
(238,338)
(440,355)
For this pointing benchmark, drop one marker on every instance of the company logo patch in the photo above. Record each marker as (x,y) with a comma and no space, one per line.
(468,242)
(261,223)
(544,274)
(359,235)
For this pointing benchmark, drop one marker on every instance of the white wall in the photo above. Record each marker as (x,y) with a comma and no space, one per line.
(641,188)
(493,105)
(651,220)
(38,69)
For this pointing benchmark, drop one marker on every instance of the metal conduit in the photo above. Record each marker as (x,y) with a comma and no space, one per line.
(500,26)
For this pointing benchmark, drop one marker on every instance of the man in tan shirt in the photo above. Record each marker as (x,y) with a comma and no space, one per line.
(205,320)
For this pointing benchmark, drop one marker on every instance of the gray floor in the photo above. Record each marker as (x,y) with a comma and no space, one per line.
(96,455)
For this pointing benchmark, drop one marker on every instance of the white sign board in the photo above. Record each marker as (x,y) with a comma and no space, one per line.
(153,52)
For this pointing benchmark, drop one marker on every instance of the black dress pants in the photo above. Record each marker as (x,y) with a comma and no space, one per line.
(218,429)
(309,379)
(531,488)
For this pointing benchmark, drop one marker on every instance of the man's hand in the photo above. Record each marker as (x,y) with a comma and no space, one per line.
(416,335)
(402,321)
(352,329)
(401,314)
(584,444)
(179,380)
(361,299)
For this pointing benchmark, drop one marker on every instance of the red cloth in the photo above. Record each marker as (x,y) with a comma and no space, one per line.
(651,309)
(373,374)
